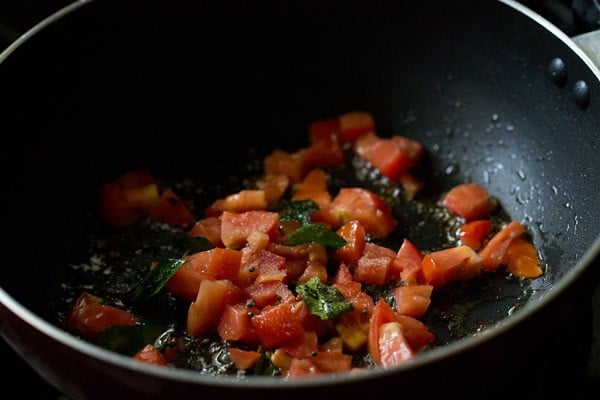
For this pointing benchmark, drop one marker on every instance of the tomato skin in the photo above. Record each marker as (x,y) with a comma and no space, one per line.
(88,316)
(455,263)
(521,259)
(382,314)
(474,233)
(416,332)
(365,207)
(243,359)
(470,201)
(406,266)
(355,235)
(210,228)
(150,355)
(495,249)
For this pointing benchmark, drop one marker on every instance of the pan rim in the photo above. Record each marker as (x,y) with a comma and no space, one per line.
(422,360)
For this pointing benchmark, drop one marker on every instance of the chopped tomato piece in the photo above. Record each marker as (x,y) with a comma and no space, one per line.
(388,158)
(393,157)
(365,207)
(215,209)
(393,346)
(150,355)
(455,263)
(268,293)
(172,210)
(237,227)
(205,312)
(324,153)
(210,228)
(407,264)
(325,128)
(243,359)
(355,235)
(374,264)
(279,323)
(470,201)
(302,346)
(321,362)
(521,259)
(291,165)
(235,323)
(88,316)
(314,187)
(474,233)
(355,123)
(245,200)
(493,252)
(217,263)
(274,187)
(416,332)
(413,149)
(122,206)
(382,314)
(412,300)
(185,282)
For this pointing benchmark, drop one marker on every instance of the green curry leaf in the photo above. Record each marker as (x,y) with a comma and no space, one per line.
(315,233)
(128,340)
(197,244)
(154,281)
(325,301)
(297,210)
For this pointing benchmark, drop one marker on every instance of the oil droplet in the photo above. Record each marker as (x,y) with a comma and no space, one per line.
(495,117)
(451,169)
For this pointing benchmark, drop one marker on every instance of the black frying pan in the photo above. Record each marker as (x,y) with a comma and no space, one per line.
(172,86)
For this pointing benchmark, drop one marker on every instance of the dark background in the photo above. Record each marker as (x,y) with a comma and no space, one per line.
(572,17)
